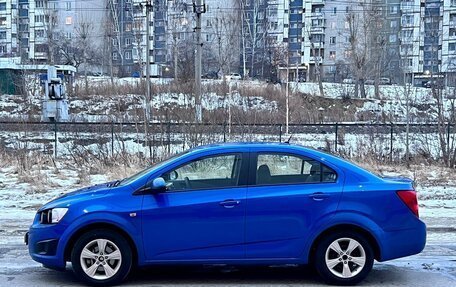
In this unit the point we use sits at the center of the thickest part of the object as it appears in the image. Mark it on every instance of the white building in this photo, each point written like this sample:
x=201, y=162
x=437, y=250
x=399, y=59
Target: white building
x=29, y=28
x=8, y=28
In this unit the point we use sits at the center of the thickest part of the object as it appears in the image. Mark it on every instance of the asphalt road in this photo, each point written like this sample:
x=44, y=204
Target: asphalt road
x=435, y=266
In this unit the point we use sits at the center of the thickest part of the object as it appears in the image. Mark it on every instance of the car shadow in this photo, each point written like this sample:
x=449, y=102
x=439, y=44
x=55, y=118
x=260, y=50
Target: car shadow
x=232, y=276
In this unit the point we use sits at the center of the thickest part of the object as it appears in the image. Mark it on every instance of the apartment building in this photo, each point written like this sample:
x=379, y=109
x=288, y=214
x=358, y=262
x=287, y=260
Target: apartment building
x=428, y=39
x=8, y=28
x=31, y=30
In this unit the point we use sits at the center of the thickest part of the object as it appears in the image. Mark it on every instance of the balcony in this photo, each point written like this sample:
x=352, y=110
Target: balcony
x=40, y=55
x=317, y=44
x=317, y=15
x=407, y=7
x=318, y=2
x=317, y=30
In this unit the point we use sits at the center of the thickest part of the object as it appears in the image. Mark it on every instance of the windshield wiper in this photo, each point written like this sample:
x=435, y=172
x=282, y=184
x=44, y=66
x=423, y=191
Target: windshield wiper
x=115, y=183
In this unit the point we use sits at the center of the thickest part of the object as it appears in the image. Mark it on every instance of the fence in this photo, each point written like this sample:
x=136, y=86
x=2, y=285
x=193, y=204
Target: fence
x=383, y=141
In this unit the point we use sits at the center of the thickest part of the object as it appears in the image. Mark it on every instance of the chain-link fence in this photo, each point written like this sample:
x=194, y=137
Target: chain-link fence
x=380, y=141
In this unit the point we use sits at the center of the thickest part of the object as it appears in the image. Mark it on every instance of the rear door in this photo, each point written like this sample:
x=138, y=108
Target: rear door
x=288, y=195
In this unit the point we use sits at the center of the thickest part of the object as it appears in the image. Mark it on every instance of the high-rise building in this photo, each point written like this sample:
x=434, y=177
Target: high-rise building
x=43, y=31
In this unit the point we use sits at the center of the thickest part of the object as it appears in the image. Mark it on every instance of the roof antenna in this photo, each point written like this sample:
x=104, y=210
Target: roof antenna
x=289, y=139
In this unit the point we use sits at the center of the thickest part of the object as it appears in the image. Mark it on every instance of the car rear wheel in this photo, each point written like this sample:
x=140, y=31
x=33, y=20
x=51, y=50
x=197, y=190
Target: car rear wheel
x=101, y=257
x=344, y=258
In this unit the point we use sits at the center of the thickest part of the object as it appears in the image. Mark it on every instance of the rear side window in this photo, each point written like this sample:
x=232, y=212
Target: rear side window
x=288, y=169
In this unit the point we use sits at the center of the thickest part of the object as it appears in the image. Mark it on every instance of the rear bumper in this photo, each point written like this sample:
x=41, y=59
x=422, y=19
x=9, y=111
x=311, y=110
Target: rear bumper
x=404, y=242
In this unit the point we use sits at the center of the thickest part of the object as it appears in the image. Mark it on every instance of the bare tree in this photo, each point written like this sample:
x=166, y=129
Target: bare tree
x=254, y=31
x=316, y=50
x=225, y=28
x=359, y=37
x=51, y=34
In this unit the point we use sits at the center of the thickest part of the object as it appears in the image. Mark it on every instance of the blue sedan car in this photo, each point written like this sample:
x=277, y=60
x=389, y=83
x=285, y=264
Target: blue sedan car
x=243, y=203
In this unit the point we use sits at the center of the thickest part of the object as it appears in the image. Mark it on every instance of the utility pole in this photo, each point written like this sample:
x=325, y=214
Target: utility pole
x=111, y=60
x=198, y=8
x=287, y=87
x=148, y=97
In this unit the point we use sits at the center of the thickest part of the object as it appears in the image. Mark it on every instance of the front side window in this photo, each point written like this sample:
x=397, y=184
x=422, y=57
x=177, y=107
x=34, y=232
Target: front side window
x=289, y=169
x=206, y=173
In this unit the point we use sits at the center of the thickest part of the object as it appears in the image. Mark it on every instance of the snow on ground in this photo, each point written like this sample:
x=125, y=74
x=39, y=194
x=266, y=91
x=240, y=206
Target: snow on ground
x=391, y=104
x=351, y=143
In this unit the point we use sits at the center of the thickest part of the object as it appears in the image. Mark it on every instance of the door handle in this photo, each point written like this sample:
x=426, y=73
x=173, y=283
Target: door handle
x=319, y=196
x=230, y=203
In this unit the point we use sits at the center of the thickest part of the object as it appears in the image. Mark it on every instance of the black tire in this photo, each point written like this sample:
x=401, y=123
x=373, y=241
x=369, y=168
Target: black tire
x=327, y=275
x=120, y=242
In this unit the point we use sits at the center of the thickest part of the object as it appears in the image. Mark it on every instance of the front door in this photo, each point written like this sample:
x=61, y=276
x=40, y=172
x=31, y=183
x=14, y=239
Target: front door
x=202, y=214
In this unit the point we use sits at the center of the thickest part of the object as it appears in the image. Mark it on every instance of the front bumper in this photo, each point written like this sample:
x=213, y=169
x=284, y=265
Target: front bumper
x=44, y=245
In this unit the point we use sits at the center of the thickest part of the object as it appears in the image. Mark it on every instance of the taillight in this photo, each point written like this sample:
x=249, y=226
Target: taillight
x=409, y=198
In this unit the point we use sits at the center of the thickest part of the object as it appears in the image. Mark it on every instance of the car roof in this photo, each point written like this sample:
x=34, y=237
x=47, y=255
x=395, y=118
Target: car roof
x=260, y=145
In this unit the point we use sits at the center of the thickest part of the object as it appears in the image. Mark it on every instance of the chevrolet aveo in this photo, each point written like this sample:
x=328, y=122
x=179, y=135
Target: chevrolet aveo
x=244, y=203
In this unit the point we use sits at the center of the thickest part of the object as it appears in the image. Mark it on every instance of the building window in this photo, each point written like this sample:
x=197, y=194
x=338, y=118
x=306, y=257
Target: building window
x=69, y=35
x=393, y=24
x=39, y=4
x=128, y=55
x=332, y=55
x=39, y=33
x=3, y=6
x=114, y=56
x=68, y=6
x=2, y=35
x=452, y=19
x=69, y=20
x=407, y=20
x=2, y=21
x=2, y=49
x=452, y=47
x=39, y=18
x=335, y=11
x=127, y=41
x=332, y=40
x=393, y=9
x=392, y=38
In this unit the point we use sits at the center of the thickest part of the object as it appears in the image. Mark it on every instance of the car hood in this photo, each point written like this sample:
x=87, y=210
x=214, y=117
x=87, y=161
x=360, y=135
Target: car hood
x=77, y=195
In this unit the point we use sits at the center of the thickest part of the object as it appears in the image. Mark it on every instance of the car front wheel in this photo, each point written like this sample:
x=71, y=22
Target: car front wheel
x=344, y=258
x=101, y=257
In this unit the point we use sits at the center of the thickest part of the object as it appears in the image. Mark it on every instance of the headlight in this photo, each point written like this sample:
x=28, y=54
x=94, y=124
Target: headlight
x=52, y=215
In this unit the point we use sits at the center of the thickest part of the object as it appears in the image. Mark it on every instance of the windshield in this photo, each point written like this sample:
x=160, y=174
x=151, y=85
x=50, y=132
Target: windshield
x=132, y=178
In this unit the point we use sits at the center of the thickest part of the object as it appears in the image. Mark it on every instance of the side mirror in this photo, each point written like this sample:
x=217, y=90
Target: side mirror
x=158, y=184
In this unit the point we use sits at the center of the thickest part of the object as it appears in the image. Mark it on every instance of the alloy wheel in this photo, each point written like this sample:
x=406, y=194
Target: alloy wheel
x=345, y=257
x=100, y=259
